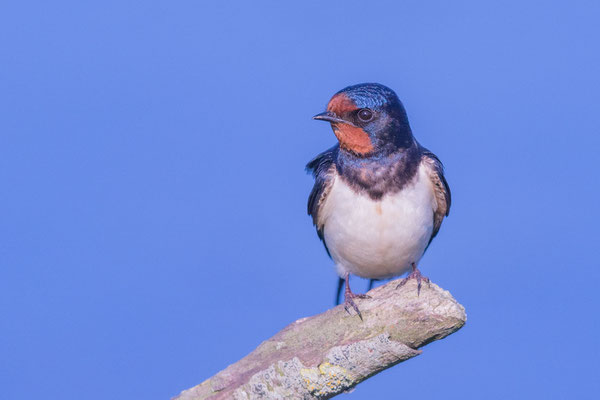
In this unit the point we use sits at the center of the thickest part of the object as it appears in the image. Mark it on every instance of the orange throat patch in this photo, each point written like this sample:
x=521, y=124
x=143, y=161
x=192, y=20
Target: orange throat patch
x=353, y=138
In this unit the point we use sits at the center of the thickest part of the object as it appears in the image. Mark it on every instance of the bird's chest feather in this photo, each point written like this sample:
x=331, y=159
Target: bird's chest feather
x=378, y=238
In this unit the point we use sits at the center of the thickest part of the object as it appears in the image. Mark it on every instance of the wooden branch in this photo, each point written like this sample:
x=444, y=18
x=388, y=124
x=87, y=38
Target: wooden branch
x=321, y=356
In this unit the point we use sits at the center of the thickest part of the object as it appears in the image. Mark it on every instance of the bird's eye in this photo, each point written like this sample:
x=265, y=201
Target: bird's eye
x=365, y=114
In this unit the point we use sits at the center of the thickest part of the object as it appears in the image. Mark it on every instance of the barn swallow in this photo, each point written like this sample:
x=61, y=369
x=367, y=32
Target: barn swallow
x=379, y=196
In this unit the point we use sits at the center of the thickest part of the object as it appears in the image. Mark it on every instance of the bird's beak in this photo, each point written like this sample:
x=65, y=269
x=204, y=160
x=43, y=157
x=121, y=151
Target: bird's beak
x=330, y=117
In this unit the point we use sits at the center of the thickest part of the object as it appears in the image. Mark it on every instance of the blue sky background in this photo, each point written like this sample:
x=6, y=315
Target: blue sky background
x=153, y=224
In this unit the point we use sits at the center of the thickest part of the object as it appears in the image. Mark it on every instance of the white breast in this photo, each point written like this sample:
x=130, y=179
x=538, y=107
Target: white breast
x=378, y=239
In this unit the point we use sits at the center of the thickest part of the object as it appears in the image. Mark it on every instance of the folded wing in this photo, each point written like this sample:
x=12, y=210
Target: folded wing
x=435, y=170
x=322, y=169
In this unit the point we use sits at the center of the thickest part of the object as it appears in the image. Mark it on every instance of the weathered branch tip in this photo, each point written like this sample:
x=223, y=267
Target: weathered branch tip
x=321, y=356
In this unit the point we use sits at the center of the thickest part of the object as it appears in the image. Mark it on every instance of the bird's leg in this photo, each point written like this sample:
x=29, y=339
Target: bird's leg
x=349, y=296
x=415, y=274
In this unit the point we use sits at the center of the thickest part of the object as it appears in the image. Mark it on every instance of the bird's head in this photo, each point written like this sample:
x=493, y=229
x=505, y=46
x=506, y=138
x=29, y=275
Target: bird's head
x=368, y=119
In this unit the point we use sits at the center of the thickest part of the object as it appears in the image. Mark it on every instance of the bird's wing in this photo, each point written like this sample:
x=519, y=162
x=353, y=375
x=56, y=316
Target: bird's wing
x=321, y=168
x=435, y=170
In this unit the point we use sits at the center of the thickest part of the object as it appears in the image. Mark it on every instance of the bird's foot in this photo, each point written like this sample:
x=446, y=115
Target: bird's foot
x=415, y=274
x=349, y=301
x=349, y=297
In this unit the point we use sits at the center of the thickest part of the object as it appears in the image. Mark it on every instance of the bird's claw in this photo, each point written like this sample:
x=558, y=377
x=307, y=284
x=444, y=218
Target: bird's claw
x=415, y=274
x=349, y=297
x=349, y=302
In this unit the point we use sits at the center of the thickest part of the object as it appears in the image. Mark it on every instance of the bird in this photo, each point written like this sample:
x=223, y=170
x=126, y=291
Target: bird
x=379, y=196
